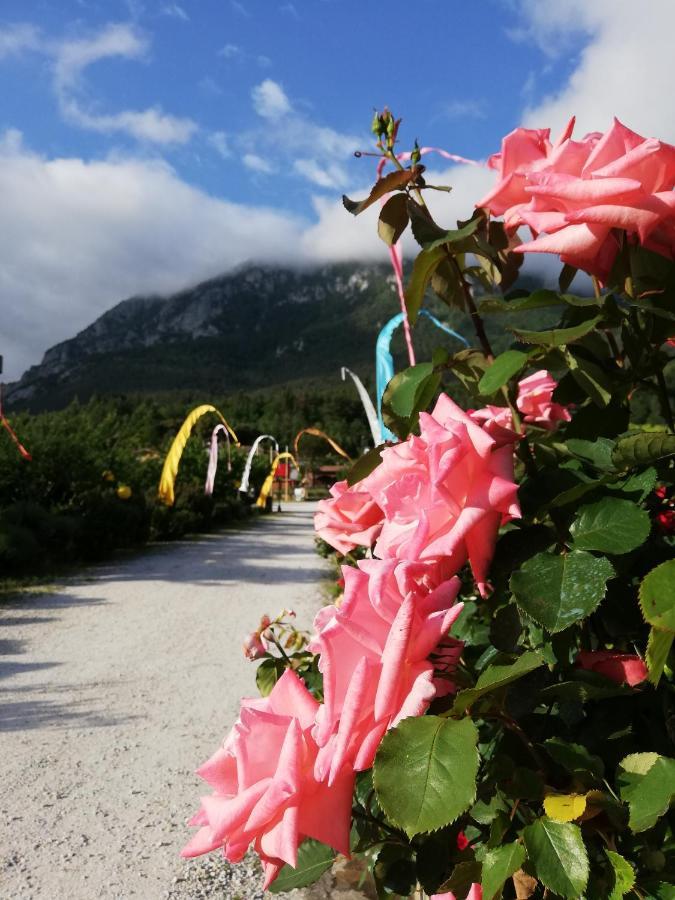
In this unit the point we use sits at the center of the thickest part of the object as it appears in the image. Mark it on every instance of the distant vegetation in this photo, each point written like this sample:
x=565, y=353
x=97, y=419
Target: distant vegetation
x=64, y=507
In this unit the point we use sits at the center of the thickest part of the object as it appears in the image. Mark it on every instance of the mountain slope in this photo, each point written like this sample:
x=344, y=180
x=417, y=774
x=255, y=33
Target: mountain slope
x=252, y=328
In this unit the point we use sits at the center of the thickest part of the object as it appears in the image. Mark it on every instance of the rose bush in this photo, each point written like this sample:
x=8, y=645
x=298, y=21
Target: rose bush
x=488, y=706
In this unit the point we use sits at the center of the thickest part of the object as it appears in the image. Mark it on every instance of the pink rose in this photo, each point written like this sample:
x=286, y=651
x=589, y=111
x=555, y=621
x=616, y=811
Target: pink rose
x=445, y=493
x=623, y=668
x=265, y=792
x=573, y=194
x=476, y=893
x=535, y=401
x=350, y=519
x=374, y=655
x=253, y=646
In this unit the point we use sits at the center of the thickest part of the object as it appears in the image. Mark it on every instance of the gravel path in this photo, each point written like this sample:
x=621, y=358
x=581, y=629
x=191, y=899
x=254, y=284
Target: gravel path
x=114, y=686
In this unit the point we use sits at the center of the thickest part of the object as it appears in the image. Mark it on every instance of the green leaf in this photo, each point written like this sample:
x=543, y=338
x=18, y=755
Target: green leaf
x=557, y=337
x=624, y=876
x=558, y=854
x=495, y=677
x=314, y=858
x=658, y=648
x=365, y=464
x=611, y=525
x=393, y=219
x=657, y=596
x=440, y=761
x=566, y=276
x=430, y=236
x=498, y=865
x=405, y=388
x=423, y=268
x=468, y=366
x=557, y=591
x=647, y=784
x=642, y=449
x=585, y=686
x=642, y=483
x=592, y=380
x=505, y=366
x=447, y=285
x=536, y=300
x=268, y=673
x=463, y=876
x=392, y=182
x=598, y=453
x=574, y=757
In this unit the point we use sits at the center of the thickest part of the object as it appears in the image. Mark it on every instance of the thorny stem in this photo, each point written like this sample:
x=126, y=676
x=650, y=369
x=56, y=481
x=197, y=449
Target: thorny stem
x=618, y=356
x=513, y=726
x=476, y=319
x=378, y=822
x=277, y=644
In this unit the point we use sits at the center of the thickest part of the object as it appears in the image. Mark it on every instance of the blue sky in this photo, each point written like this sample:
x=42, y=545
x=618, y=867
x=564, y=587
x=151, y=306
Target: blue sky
x=201, y=62
x=147, y=144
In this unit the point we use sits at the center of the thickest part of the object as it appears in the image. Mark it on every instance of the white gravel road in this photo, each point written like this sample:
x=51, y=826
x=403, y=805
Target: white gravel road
x=114, y=686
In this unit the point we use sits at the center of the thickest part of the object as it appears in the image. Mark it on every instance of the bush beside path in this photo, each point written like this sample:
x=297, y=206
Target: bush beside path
x=112, y=685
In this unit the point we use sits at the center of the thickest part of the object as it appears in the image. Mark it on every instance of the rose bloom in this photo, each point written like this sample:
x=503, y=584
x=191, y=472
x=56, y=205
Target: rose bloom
x=264, y=790
x=623, y=668
x=573, y=194
x=349, y=519
x=253, y=646
x=476, y=893
x=374, y=655
x=535, y=401
x=445, y=493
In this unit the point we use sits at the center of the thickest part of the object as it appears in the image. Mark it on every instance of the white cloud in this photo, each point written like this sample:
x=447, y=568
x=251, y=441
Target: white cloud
x=151, y=125
x=257, y=163
x=174, y=11
x=462, y=109
x=79, y=236
x=70, y=59
x=218, y=140
x=230, y=51
x=626, y=68
x=235, y=52
x=330, y=176
x=73, y=57
x=82, y=235
x=270, y=100
x=16, y=39
x=312, y=151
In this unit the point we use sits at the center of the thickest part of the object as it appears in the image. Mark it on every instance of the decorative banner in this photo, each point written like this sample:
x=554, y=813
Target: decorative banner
x=266, y=489
x=10, y=431
x=172, y=461
x=322, y=434
x=384, y=361
x=213, y=458
x=243, y=487
x=371, y=413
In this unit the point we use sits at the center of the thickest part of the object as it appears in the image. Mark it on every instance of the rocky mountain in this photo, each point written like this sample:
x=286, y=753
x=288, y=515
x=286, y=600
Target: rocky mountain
x=252, y=328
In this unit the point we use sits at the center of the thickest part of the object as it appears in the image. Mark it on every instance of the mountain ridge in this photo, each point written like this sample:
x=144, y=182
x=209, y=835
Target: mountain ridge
x=256, y=326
